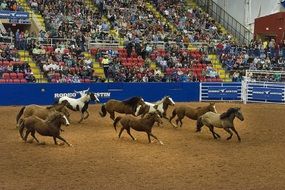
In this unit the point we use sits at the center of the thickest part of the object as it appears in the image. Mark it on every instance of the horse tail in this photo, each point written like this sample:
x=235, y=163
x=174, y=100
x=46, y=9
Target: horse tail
x=103, y=111
x=21, y=128
x=199, y=124
x=116, y=122
x=20, y=114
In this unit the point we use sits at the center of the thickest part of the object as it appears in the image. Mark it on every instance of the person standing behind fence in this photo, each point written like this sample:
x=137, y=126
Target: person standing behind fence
x=105, y=63
x=282, y=48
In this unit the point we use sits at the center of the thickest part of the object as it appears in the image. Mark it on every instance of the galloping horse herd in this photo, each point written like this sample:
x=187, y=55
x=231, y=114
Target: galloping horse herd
x=140, y=116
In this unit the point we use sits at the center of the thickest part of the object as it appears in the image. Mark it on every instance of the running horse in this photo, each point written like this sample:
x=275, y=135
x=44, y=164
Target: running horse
x=143, y=124
x=128, y=106
x=224, y=121
x=160, y=106
x=80, y=104
x=191, y=113
x=51, y=126
x=41, y=111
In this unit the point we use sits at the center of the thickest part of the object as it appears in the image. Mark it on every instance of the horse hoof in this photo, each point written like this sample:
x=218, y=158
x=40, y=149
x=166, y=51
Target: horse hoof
x=70, y=145
x=30, y=141
x=161, y=142
x=135, y=139
x=61, y=144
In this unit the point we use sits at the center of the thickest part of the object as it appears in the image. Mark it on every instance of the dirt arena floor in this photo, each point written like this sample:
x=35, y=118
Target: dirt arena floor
x=187, y=160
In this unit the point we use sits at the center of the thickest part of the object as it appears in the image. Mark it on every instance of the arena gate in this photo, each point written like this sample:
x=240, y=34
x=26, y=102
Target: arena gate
x=264, y=92
x=247, y=91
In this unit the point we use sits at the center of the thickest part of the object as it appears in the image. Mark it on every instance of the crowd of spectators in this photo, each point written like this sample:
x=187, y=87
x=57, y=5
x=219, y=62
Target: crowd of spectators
x=10, y=5
x=61, y=63
x=135, y=22
x=258, y=55
x=194, y=24
x=76, y=21
x=73, y=20
x=11, y=65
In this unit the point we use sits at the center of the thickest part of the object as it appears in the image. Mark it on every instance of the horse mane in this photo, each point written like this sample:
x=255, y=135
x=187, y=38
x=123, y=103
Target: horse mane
x=228, y=113
x=132, y=101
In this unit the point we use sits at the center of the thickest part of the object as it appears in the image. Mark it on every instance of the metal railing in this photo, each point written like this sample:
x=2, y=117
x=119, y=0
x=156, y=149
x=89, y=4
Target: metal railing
x=239, y=31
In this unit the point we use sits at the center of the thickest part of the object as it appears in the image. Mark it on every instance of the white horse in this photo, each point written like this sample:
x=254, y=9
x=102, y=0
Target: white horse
x=160, y=107
x=80, y=104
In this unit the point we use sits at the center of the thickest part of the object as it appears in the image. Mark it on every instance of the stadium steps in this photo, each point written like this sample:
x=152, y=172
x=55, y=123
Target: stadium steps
x=114, y=33
x=191, y=3
x=24, y=56
x=98, y=69
x=218, y=67
x=160, y=17
x=36, y=17
x=153, y=65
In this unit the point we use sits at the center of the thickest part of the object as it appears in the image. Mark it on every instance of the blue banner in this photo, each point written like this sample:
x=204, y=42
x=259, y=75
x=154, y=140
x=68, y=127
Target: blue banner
x=267, y=94
x=224, y=92
x=46, y=93
x=13, y=15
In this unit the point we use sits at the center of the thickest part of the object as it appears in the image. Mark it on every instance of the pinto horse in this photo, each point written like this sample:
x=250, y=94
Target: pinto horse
x=51, y=126
x=191, y=113
x=160, y=106
x=41, y=111
x=80, y=104
x=144, y=124
x=128, y=106
x=224, y=120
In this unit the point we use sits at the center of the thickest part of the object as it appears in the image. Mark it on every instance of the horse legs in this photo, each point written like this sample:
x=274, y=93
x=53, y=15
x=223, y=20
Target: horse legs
x=59, y=137
x=54, y=139
x=112, y=115
x=234, y=130
x=33, y=135
x=179, y=120
x=122, y=129
x=86, y=115
x=129, y=132
x=229, y=131
x=27, y=134
x=215, y=135
x=82, y=117
x=150, y=134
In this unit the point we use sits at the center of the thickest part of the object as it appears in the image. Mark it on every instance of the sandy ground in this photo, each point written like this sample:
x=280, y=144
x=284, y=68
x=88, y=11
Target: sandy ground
x=187, y=160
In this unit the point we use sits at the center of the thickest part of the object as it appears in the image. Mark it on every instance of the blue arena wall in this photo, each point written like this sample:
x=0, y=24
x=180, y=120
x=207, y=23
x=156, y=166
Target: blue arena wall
x=46, y=93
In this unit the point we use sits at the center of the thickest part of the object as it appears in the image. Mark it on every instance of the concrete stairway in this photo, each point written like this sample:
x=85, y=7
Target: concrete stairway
x=98, y=69
x=160, y=17
x=114, y=33
x=218, y=67
x=24, y=56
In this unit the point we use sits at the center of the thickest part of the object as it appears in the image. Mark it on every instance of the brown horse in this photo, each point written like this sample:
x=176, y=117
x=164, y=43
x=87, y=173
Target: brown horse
x=128, y=106
x=51, y=126
x=41, y=111
x=224, y=120
x=144, y=124
x=191, y=113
